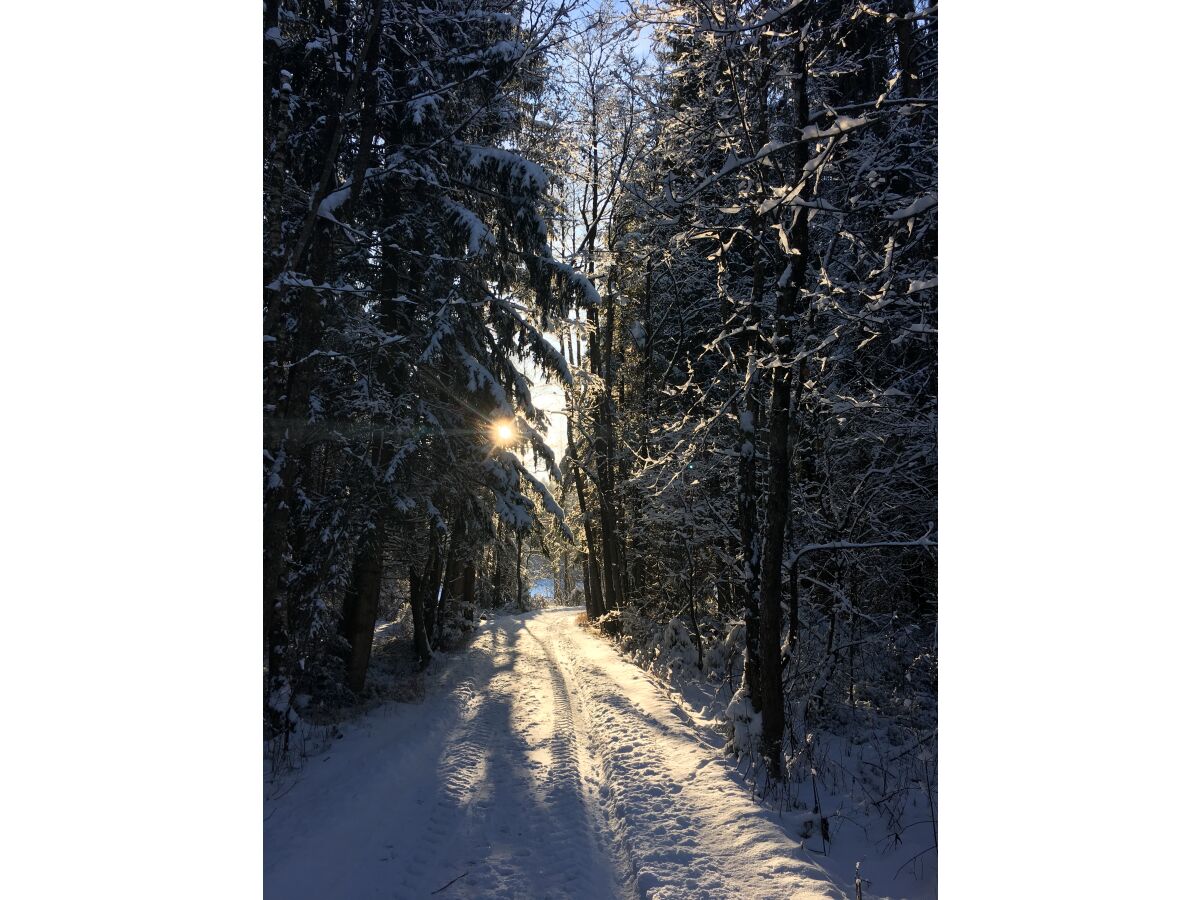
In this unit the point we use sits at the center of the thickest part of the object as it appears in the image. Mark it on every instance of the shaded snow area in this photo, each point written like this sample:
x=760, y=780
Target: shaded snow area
x=540, y=765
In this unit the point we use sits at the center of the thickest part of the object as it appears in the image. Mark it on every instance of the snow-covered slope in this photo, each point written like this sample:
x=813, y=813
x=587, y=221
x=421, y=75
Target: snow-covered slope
x=540, y=765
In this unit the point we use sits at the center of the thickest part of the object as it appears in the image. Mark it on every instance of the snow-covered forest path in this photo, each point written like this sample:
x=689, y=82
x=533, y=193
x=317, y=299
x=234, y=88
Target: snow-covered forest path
x=541, y=765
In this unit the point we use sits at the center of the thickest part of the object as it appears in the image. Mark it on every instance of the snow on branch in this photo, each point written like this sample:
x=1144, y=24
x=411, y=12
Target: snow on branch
x=573, y=277
x=480, y=378
x=841, y=125
x=918, y=206
x=530, y=174
x=499, y=52
x=548, y=501
x=512, y=506
x=768, y=19
x=458, y=16
x=332, y=201
x=478, y=234
x=540, y=449
x=544, y=351
x=443, y=330
x=851, y=545
x=520, y=385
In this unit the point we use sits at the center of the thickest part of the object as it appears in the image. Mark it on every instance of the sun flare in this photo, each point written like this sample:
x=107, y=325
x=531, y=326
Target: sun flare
x=504, y=433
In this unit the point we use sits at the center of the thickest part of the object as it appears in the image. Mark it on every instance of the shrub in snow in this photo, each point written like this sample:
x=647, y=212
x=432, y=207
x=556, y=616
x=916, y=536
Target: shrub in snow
x=676, y=652
x=611, y=624
x=743, y=726
x=323, y=676
x=459, y=622
x=280, y=699
x=723, y=657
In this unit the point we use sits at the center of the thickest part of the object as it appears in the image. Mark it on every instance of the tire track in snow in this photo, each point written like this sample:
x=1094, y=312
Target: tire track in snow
x=510, y=817
x=576, y=826
x=541, y=765
x=688, y=828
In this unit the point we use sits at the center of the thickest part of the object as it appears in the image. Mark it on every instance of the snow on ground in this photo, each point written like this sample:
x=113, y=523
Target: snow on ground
x=541, y=765
x=890, y=868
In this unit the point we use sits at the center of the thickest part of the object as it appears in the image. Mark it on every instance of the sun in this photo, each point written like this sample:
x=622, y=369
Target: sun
x=504, y=433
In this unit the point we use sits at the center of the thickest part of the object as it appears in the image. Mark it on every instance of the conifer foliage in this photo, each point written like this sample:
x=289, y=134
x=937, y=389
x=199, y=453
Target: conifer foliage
x=406, y=269
x=723, y=249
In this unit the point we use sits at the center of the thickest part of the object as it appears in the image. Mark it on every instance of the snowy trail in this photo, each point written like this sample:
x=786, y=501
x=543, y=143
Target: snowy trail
x=542, y=765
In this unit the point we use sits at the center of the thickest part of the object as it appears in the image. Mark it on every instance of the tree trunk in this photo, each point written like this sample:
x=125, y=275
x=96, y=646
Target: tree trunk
x=362, y=607
x=520, y=593
x=497, y=571
x=416, y=597
x=613, y=582
x=422, y=587
x=907, y=47
x=749, y=411
x=588, y=603
x=779, y=440
x=467, y=595
x=747, y=498
x=594, y=578
x=793, y=608
x=285, y=431
x=608, y=541
x=591, y=577
x=691, y=595
x=452, y=580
